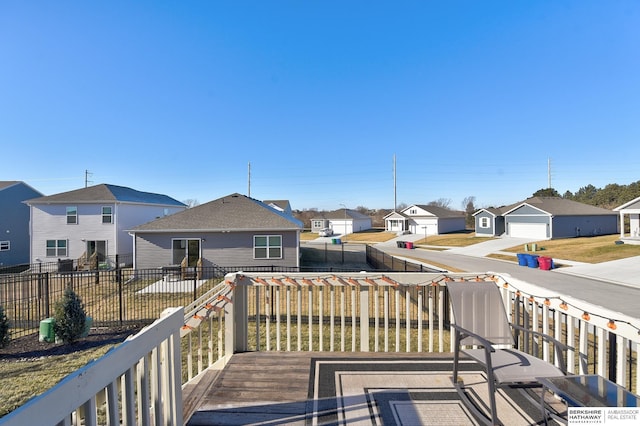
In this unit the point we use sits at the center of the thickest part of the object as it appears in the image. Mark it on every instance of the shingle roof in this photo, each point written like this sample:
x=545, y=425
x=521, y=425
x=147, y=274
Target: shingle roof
x=341, y=213
x=563, y=207
x=440, y=211
x=7, y=183
x=107, y=193
x=235, y=212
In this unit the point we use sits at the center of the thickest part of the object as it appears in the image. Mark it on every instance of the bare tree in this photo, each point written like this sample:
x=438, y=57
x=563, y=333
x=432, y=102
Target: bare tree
x=441, y=202
x=191, y=202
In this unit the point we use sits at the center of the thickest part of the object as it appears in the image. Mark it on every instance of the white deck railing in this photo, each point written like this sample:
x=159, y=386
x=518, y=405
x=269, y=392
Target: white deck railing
x=357, y=312
x=137, y=383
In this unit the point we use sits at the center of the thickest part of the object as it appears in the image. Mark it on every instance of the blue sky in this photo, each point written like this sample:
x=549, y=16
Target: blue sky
x=472, y=97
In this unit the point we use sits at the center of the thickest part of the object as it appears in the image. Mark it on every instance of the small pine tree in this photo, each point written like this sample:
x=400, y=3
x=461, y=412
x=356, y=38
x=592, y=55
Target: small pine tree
x=69, y=316
x=5, y=334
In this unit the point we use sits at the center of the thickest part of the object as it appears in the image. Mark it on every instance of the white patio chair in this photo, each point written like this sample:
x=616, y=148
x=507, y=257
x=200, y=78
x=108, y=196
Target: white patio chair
x=483, y=333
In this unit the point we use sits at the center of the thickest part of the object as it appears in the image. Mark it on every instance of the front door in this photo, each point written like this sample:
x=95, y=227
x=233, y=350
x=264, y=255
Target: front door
x=97, y=248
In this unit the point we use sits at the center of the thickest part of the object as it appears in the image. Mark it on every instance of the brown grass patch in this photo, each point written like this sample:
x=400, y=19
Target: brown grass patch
x=584, y=249
x=455, y=239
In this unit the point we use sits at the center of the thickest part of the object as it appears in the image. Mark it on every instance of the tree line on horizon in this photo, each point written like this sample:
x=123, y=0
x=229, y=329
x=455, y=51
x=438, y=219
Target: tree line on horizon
x=609, y=197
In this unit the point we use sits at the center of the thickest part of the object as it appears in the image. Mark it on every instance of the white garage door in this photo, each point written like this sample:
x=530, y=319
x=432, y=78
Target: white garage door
x=528, y=230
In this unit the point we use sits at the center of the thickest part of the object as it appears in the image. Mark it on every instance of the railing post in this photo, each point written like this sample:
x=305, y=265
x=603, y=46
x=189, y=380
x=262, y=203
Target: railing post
x=236, y=322
x=364, y=318
x=613, y=357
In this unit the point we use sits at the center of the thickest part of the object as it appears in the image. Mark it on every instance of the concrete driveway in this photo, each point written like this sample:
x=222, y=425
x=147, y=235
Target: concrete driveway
x=490, y=246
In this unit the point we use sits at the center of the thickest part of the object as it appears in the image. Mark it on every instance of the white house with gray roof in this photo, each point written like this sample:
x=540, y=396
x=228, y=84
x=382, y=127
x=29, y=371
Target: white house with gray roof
x=630, y=209
x=342, y=221
x=232, y=231
x=544, y=218
x=90, y=224
x=425, y=219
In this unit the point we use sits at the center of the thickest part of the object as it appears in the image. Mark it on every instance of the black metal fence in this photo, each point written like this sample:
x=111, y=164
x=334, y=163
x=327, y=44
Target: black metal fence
x=119, y=295
x=380, y=260
x=69, y=265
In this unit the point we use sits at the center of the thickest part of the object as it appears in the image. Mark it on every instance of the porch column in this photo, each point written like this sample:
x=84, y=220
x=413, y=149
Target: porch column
x=621, y=224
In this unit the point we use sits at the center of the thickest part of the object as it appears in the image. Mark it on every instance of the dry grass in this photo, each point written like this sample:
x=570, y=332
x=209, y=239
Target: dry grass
x=456, y=239
x=370, y=236
x=308, y=236
x=21, y=380
x=584, y=249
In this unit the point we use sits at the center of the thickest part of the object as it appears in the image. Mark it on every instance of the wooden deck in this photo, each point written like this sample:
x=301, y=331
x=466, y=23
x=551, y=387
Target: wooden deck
x=278, y=388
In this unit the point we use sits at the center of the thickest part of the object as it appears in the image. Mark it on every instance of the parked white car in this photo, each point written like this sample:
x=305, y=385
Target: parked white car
x=325, y=232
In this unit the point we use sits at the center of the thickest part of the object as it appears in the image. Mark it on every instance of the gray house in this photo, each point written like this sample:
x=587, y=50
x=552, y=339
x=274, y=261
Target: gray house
x=490, y=221
x=544, y=218
x=90, y=225
x=342, y=221
x=14, y=222
x=232, y=231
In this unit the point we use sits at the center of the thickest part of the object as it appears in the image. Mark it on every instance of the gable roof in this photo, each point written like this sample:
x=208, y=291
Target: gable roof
x=397, y=215
x=437, y=211
x=635, y=203
x=234, y=212
x=557, y=206
x=106, y=193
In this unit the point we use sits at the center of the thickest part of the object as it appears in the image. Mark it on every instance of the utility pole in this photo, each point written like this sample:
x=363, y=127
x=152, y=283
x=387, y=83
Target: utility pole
x=549, y=172
x=249, y=180
x=395, y=191
x=87, y=173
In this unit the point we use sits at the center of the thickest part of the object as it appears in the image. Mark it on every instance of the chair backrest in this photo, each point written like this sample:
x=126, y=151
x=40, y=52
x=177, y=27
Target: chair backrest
x=478, y=307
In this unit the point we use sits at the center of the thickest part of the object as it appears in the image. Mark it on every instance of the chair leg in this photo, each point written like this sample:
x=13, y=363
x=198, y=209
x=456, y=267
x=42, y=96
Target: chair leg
x=456, y=356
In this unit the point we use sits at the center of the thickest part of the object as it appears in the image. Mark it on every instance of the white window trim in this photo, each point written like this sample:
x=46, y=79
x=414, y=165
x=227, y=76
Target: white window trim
x=5, y=245
x=74, y=216
x=57, y=249
x=267, y=247
x=485, y=222
x=109, y=215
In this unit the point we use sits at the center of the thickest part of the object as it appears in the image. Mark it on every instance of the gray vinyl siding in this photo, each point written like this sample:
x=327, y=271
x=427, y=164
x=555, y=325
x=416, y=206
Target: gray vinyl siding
x=14, y=223
x=499, y=225
x=314, y=228
x=584, y=226
x=489, y=231
x=153, y=250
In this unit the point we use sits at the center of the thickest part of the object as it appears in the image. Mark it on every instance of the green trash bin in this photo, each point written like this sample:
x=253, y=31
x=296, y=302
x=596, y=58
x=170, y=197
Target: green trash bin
x=46, y=330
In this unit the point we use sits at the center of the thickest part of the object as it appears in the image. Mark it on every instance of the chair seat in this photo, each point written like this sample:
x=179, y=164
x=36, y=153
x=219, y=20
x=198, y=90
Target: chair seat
x=513, y=366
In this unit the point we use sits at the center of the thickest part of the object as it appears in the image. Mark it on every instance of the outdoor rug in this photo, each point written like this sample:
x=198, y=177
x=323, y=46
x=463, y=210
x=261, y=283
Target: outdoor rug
x=404, y=392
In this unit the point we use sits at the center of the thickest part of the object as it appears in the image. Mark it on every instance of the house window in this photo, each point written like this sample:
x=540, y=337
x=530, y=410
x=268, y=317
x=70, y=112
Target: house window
x=267, y=247
x=57, y=248
x=72, y=215
x=107, y=215
x=413, y=211
x=484, y=222
x=185, y=249
x=317, y=224
x=5, y=245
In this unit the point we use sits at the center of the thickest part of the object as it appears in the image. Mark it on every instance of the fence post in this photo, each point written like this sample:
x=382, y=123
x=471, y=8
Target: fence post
x=118, y=270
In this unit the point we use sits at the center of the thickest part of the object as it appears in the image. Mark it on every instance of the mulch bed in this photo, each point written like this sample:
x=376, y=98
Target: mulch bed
x=29, y=347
